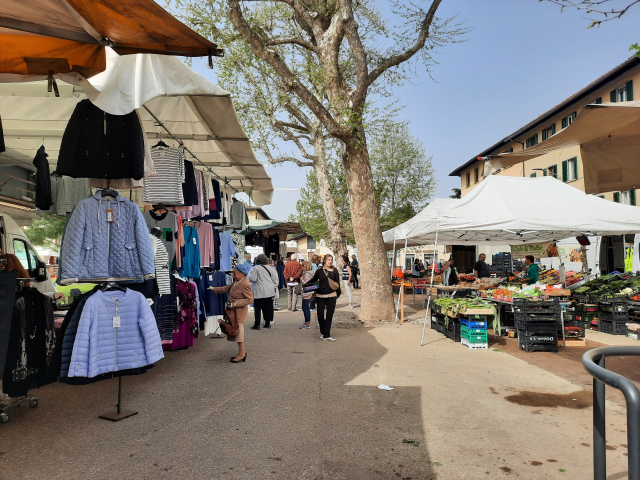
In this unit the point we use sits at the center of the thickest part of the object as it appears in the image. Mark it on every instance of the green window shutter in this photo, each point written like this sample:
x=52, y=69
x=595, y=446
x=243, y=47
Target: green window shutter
x=616, y=197
x=613, y=97
x=573, y=116
x=598, y=100
x=544, y=172
x=554, y=169
x=533, y=174
x=564, y=171
x=564, y=123
x=630, y=91
x=544, y=134
x=553, y=129
x=527, y=143
x=575, y=166
x=535, y=139
x=632, y=196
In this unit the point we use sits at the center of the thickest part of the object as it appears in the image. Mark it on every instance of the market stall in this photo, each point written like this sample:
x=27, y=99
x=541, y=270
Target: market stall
x=511, y=211
x=150, y=271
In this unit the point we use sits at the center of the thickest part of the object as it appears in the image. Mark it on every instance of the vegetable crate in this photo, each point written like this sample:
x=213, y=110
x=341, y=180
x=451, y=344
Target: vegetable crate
x=613, y=303
x=613, y=328
x=613, y=317
x=466, y=331
x=537, y=347
x=574, y=329
x=585, y=312
x=536, y=338
x=474, y=346
x=537, y=322
x=633, y=334
x=542, y=307
x=454, y=335
x=469, y=323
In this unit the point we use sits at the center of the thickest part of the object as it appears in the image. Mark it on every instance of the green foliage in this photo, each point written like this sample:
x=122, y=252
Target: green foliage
x=310, y=213
x=457, y=193
x=44, y=231
x=635, y=48
x=403, y=175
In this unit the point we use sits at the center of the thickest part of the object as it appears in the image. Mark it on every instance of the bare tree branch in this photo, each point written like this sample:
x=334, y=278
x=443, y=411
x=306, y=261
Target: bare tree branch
x=390, y=62
x=293, y=41
x=593, y=7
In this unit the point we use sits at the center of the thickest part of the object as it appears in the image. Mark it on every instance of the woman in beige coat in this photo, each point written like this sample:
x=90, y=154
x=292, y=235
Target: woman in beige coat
x=240, y=296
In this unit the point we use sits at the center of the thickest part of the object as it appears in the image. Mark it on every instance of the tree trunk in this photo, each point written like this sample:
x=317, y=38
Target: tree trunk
x=328, y=201
x=377, y=296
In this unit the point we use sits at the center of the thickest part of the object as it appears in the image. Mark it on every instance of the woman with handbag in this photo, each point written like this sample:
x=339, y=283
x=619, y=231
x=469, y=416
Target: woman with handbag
x=326, y=295
x=265, y=281
x=240, y=296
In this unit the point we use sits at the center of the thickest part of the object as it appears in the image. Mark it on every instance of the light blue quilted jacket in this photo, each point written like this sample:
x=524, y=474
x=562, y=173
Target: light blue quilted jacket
x=101, y=348
x=94, y=249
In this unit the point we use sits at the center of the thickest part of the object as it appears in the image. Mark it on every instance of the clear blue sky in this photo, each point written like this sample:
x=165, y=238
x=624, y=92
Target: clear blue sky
x=522, y=58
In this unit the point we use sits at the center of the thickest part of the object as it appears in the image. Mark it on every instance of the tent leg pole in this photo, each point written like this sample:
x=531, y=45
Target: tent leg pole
x=393, y=259
x=401, y=280
x=426, y=314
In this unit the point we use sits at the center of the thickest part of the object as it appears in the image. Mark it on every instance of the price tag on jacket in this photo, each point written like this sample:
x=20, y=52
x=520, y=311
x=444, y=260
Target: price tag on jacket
x=116, y=321
x=194, y=241
x=109, y=215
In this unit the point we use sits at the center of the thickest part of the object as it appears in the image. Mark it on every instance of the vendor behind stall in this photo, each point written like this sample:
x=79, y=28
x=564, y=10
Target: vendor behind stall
x=481, y=269
x=533, y=271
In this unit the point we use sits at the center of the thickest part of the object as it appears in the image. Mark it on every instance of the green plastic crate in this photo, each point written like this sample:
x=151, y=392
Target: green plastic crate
x=477, y=338
x=472, y=331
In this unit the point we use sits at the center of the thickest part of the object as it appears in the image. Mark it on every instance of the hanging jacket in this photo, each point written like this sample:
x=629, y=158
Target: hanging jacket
x=97, y=144
x=97, y=250
x=101, y=348
x=43, y=180
x=191, y=260
x=628, y=259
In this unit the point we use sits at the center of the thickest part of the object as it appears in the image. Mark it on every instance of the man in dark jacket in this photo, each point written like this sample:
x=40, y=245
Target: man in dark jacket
x=355, y=271
x=292, y=274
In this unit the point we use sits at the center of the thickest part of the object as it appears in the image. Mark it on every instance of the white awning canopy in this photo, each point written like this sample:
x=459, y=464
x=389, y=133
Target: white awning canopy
x=608, y=135
x=514, y=210
x=196, y=111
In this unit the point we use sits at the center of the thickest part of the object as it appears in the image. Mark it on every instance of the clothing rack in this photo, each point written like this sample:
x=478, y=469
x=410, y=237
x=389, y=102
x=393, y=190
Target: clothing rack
x=226, y=182
x=33, y=401
x=119, y=414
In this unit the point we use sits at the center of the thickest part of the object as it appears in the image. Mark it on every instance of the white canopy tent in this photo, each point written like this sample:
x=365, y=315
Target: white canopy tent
x=609, y=138
x=169, y=95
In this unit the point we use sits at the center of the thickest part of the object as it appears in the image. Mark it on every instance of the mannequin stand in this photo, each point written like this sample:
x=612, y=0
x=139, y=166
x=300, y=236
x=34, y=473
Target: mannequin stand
x=119, y=414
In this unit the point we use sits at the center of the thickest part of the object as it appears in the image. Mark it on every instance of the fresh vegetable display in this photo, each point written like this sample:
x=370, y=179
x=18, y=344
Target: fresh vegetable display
x=454, y=306
x=618, y=284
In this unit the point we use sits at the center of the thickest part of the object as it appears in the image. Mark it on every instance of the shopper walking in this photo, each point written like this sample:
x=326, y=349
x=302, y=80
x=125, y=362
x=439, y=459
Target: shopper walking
x=240, y=295
x=355, y=271
x=327, y=294
x=347, y=278
x=292, y=274
x=306, y=300
x=315, y=264
x=276, y=294
x=264, y=281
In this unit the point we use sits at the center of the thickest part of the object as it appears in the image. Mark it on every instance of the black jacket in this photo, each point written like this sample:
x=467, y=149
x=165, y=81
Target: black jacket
x=43, y=180
x=324, y=288
x=96, y=144
x=2, y=148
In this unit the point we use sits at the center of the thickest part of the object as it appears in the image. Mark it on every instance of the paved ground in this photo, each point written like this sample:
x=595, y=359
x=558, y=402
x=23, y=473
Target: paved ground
x=307, y=409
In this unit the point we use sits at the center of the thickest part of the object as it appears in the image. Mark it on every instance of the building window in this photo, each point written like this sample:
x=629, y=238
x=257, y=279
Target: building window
x=598, y=101
x=570, y=170
x=623, y=93
x=533, y=174
x=531, y=141
x=551, y=171
x=601, y=196
x=475, y=175
x=468, y=178
x=566, y=121
x=628, y=197
x=547, y=132
x=508, y=150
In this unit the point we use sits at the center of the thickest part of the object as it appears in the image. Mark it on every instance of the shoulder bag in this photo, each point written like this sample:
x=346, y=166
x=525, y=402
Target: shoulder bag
x=229, y=324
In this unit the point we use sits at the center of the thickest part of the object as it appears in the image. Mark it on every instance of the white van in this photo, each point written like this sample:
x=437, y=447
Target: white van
x=13, y=240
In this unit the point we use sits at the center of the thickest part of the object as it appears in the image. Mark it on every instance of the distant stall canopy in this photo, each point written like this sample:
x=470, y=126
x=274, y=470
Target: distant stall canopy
x=175, y=103
x=608, y=135
x=271, y=227
x=39, y=37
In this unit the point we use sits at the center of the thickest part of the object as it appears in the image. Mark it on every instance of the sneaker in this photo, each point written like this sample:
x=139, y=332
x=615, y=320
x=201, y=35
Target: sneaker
x=313, y=310
x=255, y=327
x=266, y=326
x=251, y=309
x=349, y=306
x=305, y=325
x=321, y=337
x=330, y=339
x=273, y=322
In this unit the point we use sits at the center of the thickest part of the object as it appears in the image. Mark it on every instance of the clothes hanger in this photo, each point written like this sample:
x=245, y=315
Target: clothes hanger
x=108, y=191
x=112, y=286
x=158, y=207
x=160, y=144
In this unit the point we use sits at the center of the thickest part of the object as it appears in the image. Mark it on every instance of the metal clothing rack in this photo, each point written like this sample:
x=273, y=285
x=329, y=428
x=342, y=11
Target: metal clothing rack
x=33, y=401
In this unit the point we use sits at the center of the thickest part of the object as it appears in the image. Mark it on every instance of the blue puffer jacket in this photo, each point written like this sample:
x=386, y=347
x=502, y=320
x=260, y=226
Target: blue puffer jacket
x=94, y=249
x=101, y=348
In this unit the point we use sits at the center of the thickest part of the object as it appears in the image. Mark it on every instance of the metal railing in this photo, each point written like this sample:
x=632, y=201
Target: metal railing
x=594, y=363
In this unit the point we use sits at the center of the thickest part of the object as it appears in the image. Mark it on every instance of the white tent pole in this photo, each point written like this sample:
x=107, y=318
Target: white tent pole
x=393, y=258
x=404, y=259
x=426, y=314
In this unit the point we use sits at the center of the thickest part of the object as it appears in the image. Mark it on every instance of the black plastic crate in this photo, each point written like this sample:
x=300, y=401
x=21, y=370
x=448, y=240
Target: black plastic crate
x=613, y=328
x=612, y=303
x=454, y=324
x=454, y=335
x=538, y=338
x=508, y=319
x=574, y=329
x=537, y=347
x=585, y=311
x=613, y=317
x=540, y=307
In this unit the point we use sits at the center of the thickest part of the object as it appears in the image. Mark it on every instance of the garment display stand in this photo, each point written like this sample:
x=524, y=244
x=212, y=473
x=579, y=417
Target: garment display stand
x=119, y=414
x=33, y=401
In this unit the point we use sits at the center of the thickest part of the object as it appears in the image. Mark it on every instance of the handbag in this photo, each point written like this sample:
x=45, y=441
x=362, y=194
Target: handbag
x=229, y=323
x=335, y=286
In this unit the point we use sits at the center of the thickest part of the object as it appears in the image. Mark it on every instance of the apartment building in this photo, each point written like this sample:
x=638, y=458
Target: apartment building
x=564, y=164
